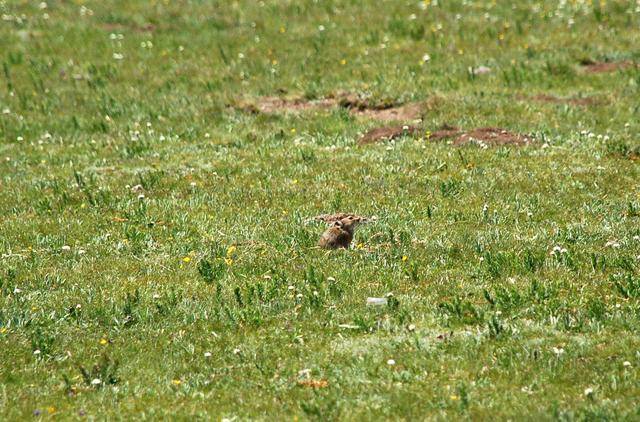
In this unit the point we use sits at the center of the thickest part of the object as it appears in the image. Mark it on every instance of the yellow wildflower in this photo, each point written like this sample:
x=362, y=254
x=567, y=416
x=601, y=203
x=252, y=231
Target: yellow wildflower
x=186, y=259
x=176, y=382
x=103, y=341
x=404, y=258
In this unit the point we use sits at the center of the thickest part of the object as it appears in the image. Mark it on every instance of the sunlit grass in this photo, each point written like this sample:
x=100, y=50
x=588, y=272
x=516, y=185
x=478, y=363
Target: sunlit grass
x=156, y=257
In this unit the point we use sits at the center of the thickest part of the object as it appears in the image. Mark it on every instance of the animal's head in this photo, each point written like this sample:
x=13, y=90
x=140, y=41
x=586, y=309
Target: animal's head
x=350, y=222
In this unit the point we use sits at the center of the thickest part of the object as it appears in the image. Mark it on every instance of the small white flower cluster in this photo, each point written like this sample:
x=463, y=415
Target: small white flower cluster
x=18, y=19
x=590, y=135
x=558, y=250
x=612, y=244
x=85, y=11
x=44, y=138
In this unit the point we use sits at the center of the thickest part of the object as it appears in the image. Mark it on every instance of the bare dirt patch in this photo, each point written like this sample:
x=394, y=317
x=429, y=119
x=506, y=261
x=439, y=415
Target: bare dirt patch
x=485, y=136
x=380, y=110
x=273, y=105
x=412, y=111
x=551, y=99
x=592, y=66
x=356, y=104
x=445, y=132
x=386, y=133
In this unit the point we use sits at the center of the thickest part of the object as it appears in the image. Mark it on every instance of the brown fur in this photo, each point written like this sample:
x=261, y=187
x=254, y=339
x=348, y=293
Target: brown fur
x=340, y=234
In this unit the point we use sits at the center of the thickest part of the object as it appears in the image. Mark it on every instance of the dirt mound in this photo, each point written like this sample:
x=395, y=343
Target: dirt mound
x=445, y=132
x=485, y=136
x=592, y=66
x=359, y=102
x=412, y=111
x=356, y=104
x=386, y=133
x=380, y=110
x=491, y=136
x=272, y=105
x=546, y=98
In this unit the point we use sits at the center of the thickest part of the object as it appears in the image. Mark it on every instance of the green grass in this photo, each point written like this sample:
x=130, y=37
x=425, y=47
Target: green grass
x=515, y=271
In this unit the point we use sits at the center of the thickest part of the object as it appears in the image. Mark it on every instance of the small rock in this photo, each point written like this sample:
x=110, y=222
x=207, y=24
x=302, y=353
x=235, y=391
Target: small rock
x=481, y=70
x=376, y=301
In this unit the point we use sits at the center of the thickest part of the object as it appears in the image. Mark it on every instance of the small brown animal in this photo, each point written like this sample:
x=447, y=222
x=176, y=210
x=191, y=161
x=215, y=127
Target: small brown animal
x=340, y=234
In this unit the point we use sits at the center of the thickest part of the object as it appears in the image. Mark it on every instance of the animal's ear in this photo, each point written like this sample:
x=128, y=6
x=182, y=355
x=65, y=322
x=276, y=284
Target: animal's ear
x=337, y=224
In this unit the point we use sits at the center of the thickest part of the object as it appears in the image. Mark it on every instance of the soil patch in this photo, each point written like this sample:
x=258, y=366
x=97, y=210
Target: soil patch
x=412, y=111
x=552, y=99
x=381, y=110
x=386, y=133
x=485, y=136
x=592, y=66
x=358, y=102
x=357, y=106
x=491, y=136
x=445, y=132
x=271, y=105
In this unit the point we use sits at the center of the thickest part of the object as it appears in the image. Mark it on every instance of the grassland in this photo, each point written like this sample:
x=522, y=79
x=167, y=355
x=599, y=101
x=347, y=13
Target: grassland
x=156, y=261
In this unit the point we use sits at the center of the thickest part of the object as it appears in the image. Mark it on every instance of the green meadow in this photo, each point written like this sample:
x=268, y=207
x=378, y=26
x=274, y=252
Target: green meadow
x=158, y=256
